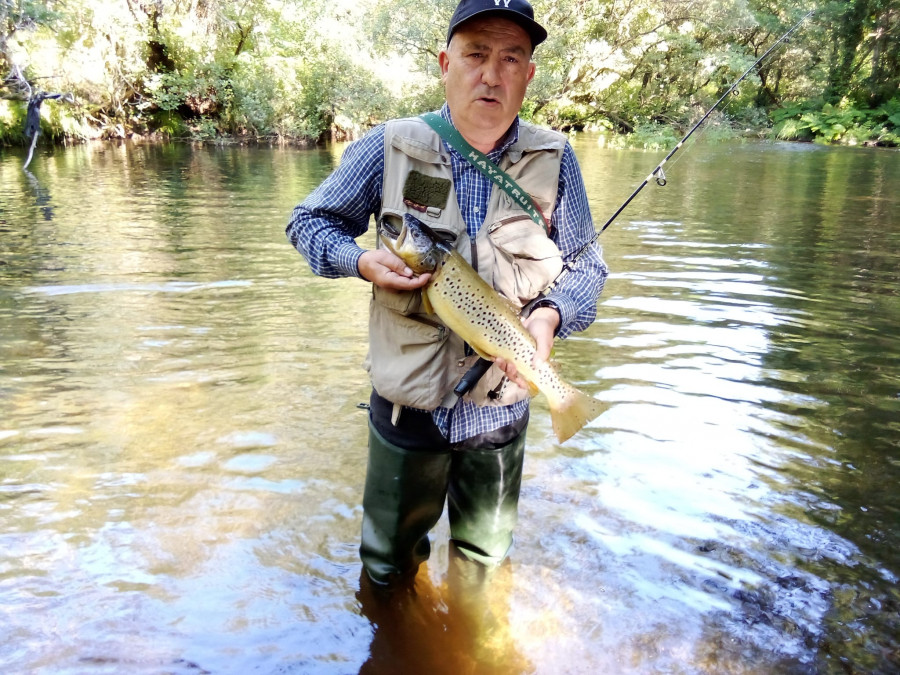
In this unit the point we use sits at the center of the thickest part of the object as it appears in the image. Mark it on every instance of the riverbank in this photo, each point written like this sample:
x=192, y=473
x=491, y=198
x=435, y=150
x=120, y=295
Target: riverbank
x=63, y=124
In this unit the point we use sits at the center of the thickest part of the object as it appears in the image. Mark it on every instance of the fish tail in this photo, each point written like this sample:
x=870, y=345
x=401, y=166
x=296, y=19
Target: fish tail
x=572, y=412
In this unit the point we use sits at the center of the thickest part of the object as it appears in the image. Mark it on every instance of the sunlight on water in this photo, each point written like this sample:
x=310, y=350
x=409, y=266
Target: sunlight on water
x=182, y=452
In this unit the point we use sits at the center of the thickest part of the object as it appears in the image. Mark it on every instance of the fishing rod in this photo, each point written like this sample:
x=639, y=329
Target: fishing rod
x=658, y=172
x=471, y=377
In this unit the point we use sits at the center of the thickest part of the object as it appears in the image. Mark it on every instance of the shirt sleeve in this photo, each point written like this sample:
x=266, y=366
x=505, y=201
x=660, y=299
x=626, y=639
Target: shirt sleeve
x=324, y=227
x=578, y=290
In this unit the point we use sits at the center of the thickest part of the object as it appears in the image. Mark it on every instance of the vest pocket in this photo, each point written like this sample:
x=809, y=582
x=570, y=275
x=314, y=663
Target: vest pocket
x=402, y=302
x=419, y=150
x=523, y=261
x=410, y=357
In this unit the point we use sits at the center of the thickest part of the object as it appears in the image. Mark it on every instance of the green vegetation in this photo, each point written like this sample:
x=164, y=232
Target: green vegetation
x=842, y=123
x=309, y=70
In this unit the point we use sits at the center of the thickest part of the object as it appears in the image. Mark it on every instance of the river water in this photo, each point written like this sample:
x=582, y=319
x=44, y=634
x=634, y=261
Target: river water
x=182, y=453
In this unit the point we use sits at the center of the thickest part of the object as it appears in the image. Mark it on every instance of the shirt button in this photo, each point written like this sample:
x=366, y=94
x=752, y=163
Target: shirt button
x=460, y=363
x=477, y=210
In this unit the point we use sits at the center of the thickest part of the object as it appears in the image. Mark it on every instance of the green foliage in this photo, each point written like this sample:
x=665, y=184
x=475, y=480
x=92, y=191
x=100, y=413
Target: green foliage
x=202, y=91
x=169, y=124
x=416, y=28
x=12, y=122
x=864, y=60
x=844, y=123
x=254, y=89
x=419, y=98
x=338, y=98
x=652, y=136
x=17, y=15
x=58, y=121
x=311, y=69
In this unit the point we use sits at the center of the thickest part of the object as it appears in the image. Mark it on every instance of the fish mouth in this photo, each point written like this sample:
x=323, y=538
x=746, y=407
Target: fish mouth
x=393, y=233
x=392, y=226
x=411, y=240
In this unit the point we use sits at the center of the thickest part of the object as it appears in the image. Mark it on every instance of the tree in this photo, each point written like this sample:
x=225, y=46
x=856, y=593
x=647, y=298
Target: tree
x=863, y=66
x=320, y=69
x=15, y=17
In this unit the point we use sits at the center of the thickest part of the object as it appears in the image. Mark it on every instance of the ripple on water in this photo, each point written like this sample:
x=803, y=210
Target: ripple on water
x=184, y=461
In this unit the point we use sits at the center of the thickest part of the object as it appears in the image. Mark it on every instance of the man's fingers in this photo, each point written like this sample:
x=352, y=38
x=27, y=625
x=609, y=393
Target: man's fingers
x=406, y=283
x=385, y=269
x=509, y=369
x=542, y=324
x=375, y=265
x=395, y=264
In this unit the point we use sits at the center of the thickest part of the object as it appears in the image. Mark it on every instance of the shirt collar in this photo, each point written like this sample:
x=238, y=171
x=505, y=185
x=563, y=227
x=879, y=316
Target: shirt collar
x=512, y=134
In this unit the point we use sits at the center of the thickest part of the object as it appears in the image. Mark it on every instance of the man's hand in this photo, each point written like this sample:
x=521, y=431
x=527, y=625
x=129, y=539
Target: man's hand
x=542, y=324
x=384, y=269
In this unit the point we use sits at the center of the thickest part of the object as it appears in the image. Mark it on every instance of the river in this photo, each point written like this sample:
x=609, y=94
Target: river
x=182, y=450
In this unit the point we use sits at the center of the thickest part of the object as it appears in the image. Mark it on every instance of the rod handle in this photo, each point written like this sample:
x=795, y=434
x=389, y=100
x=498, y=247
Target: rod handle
x=470, y=379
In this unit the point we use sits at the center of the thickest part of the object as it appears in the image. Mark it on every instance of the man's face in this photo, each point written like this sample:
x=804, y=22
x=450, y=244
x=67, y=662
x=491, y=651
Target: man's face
x=486, y=69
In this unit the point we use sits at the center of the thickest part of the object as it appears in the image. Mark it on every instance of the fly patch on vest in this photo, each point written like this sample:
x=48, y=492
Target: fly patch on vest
x=426, y=194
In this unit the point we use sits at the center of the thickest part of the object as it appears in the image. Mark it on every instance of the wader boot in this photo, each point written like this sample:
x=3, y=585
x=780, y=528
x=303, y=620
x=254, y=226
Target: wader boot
x=483, y=500
x=403, y=500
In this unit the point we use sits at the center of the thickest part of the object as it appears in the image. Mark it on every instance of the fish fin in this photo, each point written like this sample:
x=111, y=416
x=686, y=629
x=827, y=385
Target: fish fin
x=426, y=304
x=574, y=411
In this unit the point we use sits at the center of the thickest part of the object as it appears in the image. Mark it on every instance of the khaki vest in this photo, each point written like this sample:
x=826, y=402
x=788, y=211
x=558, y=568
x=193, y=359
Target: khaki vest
x=414, y=359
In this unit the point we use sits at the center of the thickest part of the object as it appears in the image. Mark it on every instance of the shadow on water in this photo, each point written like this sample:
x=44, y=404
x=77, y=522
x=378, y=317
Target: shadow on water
x=182, y=455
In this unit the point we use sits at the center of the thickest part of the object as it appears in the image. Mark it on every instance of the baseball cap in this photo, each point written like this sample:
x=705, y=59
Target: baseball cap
x=514, y=10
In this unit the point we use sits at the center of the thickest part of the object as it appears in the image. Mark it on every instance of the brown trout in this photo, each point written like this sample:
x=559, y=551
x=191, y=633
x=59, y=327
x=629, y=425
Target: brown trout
x=482, y=317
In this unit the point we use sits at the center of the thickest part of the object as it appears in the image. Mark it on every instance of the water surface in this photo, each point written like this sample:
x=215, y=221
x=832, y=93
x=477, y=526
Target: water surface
x=182, y=452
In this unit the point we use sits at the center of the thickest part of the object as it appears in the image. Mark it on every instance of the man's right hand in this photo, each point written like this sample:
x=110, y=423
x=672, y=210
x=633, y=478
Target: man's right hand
x=384, y=269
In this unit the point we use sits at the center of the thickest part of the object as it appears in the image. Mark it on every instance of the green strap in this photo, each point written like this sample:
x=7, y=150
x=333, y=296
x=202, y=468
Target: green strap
x=478, y=159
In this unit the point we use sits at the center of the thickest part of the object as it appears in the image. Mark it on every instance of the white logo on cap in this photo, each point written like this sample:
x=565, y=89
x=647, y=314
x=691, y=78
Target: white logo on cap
x=505, y=3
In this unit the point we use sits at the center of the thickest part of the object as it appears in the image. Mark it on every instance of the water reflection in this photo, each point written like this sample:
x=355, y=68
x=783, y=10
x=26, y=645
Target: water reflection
x=41, y=195
x=461, y=627
x=182, y=456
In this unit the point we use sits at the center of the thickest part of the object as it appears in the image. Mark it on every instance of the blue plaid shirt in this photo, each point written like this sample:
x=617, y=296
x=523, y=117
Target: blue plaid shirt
x=325, y=226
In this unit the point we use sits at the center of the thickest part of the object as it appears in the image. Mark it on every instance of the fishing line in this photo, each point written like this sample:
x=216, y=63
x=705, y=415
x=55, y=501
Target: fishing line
x=658, y=174
x=696, y=138
x=698, y=135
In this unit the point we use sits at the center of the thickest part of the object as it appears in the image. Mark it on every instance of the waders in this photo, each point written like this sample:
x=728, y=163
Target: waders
x=404, y=498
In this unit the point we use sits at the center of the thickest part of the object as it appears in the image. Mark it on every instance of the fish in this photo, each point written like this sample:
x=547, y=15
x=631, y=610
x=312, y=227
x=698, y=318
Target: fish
x=482, y=317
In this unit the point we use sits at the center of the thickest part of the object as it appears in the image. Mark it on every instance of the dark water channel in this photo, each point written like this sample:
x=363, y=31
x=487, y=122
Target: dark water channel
x=182, y=456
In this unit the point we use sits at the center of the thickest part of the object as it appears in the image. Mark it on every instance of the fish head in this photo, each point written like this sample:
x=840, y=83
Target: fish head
x=414, y=242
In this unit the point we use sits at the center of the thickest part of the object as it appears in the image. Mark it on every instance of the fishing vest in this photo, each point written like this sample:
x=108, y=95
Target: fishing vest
x=414, y=360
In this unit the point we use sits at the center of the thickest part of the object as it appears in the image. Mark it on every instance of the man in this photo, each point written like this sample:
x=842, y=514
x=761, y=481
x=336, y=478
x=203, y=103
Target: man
x=426, y=445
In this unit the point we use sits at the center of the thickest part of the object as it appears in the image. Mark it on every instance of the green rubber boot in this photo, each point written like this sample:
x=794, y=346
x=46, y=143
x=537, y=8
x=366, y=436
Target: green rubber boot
x=403, y=500
x=483, y=500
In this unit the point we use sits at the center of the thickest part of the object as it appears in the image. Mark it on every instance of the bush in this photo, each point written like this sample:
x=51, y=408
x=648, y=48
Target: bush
x=652, y=136
x=12, y=122
x=844, y=123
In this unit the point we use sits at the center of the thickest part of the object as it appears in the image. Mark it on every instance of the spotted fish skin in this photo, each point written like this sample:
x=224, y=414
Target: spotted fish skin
x=476, y=312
